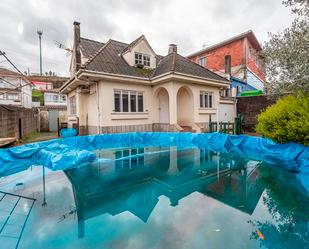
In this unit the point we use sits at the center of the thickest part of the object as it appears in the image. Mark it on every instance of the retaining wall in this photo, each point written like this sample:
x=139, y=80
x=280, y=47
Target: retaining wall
x=17, y=121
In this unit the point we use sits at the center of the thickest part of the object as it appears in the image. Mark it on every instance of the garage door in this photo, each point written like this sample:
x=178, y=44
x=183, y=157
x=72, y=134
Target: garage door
x=227, y=113
x=53, y=120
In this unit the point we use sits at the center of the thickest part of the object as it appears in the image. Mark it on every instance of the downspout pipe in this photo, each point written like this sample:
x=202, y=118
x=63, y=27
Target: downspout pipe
x=98, y=107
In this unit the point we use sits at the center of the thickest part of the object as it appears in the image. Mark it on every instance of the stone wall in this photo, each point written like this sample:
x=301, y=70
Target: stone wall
x=250, y=108
x=84, y=130
x=11, y=117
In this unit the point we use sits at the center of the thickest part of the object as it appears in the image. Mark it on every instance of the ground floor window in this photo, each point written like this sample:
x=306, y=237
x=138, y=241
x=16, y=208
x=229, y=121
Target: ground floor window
x=12, y=96
x=206, y=99
x=72, y=102
x=128, y=101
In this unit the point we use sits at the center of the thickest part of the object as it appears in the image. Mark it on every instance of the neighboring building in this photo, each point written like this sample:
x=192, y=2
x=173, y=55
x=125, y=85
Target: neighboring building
x=14, y=89
x=239, y=57
x=54, y=107
x=119, y=87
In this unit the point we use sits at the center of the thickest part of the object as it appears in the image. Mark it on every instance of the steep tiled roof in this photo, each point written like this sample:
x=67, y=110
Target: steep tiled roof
x=89, y=47
x=177, y=63
x=108, y=59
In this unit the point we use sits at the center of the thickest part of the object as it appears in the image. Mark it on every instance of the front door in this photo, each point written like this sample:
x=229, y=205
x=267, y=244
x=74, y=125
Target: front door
x=163, y=107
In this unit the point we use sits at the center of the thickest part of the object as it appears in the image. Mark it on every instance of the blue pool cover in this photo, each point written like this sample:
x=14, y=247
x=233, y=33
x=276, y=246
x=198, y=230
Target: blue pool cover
x=79, y=150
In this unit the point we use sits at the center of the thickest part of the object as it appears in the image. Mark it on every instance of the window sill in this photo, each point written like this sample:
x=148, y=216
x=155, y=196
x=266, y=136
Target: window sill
x=207, y=110
x=129, y=115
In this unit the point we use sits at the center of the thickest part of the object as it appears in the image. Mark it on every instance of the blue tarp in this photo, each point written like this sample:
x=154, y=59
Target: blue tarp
x=79, y=150
x=68, y=132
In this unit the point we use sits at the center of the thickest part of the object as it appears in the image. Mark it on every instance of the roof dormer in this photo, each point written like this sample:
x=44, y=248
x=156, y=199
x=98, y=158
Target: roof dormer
x=140, y=54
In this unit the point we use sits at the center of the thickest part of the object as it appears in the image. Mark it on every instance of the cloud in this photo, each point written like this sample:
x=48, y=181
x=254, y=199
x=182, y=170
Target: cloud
x=190, y=24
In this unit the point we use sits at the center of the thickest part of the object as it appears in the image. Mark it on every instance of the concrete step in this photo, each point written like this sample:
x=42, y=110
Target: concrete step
x=187, y=129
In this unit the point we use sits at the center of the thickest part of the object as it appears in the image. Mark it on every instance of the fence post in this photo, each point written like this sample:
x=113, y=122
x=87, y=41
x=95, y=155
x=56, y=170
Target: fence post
x=238, y=128
x=209, y=125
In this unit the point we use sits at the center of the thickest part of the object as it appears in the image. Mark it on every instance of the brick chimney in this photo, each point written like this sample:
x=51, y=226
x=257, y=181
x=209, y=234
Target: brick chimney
x=172, y=48
x=76, y=47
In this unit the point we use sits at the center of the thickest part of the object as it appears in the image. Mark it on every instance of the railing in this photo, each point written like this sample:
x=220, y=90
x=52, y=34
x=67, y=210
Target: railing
x=226, y=127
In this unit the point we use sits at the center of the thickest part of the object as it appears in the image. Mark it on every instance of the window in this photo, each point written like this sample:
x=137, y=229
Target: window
x=73, y=105
x=128, y=101
x=202, y=61
x=142, y=59
x=12, y=96
x=125, y=101
x=239, y=89
x=206, y=99
x=117, y=96
x=55, y=98
x=140, y=102
x=227, y=64
x=1, y=95
x=133, y=101
x=251, y=53
x=63, y=98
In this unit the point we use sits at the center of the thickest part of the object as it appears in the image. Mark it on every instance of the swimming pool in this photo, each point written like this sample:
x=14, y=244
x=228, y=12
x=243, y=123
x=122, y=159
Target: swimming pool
x=162, y=191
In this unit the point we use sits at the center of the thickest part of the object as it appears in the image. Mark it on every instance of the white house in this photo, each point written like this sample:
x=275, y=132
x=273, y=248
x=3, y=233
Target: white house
x=120, y=87
x=15, y=89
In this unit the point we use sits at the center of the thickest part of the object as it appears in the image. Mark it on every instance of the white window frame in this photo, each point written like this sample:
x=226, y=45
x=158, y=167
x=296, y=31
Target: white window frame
x=130, y=93
x=142, y=59
x=12, y=96
x=73, y=111
x=206, y=105
x=202, y=61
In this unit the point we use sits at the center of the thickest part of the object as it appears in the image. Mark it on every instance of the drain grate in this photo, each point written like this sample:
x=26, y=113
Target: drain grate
x=14, y=213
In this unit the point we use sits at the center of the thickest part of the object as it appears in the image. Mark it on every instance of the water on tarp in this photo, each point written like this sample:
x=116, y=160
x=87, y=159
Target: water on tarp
x=156, y=197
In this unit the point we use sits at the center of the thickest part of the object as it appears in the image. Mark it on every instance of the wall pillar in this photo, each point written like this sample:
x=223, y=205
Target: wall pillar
x=172, y=103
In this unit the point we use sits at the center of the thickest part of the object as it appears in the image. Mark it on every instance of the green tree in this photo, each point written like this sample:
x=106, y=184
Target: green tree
x=286, y=53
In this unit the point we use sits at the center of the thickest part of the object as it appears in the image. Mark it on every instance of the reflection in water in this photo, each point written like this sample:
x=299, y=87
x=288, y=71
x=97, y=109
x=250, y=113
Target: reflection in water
x=288, y=205
x=134, y=179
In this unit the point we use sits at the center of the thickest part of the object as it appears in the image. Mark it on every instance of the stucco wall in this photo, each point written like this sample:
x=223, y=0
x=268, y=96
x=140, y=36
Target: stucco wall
x=197, y=114
x=183, y=106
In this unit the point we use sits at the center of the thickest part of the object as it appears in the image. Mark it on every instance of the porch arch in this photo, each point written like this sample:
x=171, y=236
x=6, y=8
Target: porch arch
x=185, y=106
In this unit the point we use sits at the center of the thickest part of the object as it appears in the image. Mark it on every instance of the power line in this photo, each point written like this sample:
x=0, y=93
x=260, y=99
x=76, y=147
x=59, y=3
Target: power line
x=12, y=90
x=22, y=75
x=4, y=55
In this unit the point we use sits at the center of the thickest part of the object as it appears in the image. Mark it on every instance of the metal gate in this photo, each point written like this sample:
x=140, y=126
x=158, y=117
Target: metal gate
x=53, y=120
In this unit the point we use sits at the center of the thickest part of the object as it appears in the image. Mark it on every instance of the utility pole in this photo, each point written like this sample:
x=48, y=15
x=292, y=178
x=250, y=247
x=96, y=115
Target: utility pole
x=40, y=32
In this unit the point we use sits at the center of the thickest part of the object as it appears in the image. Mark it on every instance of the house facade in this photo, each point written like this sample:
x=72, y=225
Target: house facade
x=239, y=58
x=14, y=89
x=120, y=87
x=51, y=104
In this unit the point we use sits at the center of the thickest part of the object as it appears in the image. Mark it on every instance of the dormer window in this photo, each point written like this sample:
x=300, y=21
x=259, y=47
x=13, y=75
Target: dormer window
x=142, y=59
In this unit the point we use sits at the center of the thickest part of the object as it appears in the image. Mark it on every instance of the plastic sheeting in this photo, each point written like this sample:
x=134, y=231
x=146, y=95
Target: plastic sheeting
x=75, y=151
x=68, y=132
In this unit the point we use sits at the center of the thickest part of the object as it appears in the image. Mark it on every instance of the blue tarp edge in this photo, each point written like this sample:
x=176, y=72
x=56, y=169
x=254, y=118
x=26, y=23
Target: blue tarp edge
x=78, y=150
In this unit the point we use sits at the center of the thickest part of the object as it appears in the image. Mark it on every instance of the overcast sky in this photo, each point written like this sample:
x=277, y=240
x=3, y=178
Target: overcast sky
x=189, y=24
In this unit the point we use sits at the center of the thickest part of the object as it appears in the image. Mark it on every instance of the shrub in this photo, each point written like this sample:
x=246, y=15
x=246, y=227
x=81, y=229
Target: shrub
x=287, y=120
